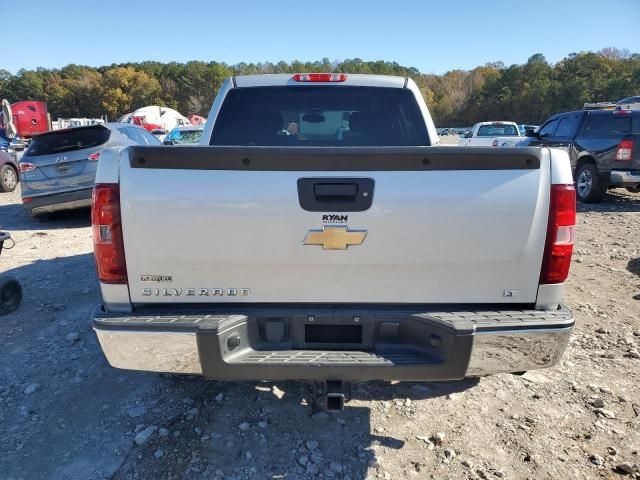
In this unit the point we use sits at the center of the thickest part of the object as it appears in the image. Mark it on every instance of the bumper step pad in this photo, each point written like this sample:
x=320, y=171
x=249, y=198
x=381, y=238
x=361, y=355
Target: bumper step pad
x=354, y=358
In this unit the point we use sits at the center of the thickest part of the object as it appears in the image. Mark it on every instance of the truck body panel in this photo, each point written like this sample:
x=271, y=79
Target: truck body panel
x=433, y=236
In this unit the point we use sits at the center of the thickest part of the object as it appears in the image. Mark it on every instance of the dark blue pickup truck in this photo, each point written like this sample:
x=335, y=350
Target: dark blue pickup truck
x=604, y=147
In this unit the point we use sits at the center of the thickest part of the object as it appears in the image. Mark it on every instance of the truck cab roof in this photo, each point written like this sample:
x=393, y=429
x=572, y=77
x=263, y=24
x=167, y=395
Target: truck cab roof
x=496, y=122
x=282, y=79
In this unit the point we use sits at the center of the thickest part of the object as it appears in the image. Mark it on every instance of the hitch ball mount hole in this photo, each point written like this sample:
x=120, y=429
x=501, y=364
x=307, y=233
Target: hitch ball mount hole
x=233, y=342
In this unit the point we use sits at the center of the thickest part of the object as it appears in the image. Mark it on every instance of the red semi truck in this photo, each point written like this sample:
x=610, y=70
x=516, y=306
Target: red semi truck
x=29, y=117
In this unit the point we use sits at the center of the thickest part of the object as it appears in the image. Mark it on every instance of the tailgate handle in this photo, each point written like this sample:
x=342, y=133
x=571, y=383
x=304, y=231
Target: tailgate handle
x=336, y=191
x=335, y=194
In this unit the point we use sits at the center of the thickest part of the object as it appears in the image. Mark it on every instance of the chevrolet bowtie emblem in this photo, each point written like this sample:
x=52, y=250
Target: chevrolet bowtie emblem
x=335, y=237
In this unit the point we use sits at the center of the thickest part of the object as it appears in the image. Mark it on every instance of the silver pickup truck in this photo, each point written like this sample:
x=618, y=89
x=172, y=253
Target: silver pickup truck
x=319, y=233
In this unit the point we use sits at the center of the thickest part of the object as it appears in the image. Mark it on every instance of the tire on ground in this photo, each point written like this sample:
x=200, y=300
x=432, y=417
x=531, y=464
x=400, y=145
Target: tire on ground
x=589, y=189
x=10, y=295
x=8, y=178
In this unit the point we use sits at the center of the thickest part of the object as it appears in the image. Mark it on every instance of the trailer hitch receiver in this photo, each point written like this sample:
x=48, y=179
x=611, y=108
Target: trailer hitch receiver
x=330, y=395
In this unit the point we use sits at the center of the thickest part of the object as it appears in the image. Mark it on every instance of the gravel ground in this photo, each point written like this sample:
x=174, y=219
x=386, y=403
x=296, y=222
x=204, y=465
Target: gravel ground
x=65, y=414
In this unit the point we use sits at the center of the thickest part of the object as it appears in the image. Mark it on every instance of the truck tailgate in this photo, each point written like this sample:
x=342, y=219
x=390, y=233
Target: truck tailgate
x=226, y=224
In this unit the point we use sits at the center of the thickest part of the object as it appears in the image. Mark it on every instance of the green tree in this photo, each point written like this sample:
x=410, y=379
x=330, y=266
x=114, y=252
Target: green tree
x=74, y=91
x=126, y=88
x=526, y=93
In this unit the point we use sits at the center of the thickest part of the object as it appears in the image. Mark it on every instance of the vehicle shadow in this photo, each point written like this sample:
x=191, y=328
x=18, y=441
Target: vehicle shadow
x=634, y=267
x=84, y=417
x=267, y=430
x=413, y=390
x=616, y=200
x=14, y=216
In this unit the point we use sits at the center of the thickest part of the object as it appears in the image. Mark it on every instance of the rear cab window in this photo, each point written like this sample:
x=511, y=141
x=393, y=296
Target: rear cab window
x=320, y=116
x=67, y=140
x=607, y=125
x=497, y=130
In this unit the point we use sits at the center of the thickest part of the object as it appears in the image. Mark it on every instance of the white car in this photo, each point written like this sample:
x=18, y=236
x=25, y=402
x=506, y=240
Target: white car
x=184, y=135
x=492, y=134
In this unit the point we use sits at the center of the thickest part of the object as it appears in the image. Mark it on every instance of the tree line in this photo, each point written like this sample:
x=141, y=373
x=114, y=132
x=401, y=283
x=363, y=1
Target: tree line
x=525, y=93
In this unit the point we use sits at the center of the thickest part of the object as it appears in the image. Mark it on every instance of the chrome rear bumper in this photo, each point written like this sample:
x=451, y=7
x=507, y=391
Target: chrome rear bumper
x=624, y=178
x=433, y=346
x=516, y=350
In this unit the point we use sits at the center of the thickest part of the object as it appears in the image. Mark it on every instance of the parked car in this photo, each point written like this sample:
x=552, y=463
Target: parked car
x=526, y=128
x=492, y=134
x=13, y=146
x=9, y=171
x=604, y=147
x=388, y=260
x=59, y=167
x=186, y=135
x=9, y=175
x=629, y=103
x=5, y=141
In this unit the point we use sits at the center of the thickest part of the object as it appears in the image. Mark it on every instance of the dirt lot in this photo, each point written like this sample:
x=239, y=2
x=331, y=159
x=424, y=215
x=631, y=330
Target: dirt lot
x=65, y=414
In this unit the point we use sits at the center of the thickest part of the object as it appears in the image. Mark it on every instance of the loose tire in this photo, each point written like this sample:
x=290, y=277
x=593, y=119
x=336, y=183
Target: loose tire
x=588, y=186
x=10, y=295
x=8, y=178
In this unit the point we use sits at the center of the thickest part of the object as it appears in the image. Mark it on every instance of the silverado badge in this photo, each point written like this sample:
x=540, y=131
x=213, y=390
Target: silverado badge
x=335, y=237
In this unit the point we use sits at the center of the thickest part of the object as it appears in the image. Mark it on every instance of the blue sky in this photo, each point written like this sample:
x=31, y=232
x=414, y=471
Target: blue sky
x=433, y=36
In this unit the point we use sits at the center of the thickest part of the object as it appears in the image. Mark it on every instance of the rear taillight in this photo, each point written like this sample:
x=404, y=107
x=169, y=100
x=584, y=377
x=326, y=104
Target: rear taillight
x=560, y=234
x=494, y=143
x=107, y=234
x=27, y=167
x=94, y=157
x=625, y=148
x=319, y=77
x=27, y=200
